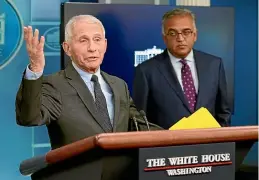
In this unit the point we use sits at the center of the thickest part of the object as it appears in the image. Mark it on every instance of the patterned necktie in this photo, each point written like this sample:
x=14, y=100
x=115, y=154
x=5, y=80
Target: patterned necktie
x=188, y=84
x=101, y=105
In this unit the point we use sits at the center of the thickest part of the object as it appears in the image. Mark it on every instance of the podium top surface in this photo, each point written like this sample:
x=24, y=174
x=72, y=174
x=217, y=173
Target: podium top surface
x=144, y=139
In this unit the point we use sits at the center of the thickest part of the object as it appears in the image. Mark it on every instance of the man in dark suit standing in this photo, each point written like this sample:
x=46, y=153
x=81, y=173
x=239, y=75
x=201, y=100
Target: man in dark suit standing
x=78, y=102
x=175, y=83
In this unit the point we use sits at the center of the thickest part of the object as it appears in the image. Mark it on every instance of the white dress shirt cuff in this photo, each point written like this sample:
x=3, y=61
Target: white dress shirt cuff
x=30, y=75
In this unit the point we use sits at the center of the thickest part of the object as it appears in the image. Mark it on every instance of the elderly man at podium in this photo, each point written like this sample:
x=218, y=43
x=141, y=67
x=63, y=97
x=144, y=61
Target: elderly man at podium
x=80, y=101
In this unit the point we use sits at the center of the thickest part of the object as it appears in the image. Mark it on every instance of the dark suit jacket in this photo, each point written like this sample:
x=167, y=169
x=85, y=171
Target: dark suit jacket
x=158, y=92
x=63, y=102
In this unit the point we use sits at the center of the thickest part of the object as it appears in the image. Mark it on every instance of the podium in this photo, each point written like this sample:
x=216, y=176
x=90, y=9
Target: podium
x=204, y=154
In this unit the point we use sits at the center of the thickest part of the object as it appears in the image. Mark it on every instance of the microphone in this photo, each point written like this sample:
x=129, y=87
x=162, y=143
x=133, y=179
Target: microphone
x=135, y=121
x=33, y=165
x=143, y=114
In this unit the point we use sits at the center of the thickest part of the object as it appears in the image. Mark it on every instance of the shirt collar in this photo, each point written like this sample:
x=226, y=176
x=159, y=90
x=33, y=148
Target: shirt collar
x=189, y=57
x=86, y=75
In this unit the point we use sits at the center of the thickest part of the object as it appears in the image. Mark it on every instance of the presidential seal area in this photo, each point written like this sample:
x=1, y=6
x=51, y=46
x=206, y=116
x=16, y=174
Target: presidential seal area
x=188, y=171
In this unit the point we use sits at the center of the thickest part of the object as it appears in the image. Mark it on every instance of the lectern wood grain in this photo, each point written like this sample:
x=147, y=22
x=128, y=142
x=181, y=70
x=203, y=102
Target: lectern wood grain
x=115, y=141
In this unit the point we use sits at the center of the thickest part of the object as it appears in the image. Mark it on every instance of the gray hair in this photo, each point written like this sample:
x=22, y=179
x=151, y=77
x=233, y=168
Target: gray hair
x=177, y=12
x=73, y=20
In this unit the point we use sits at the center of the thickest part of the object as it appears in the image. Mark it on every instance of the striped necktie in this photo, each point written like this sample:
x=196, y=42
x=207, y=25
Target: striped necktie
x=101, y=105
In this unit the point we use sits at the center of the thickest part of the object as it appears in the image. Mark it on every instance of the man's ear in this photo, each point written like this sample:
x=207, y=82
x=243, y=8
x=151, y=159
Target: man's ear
x=195, y=34
x=66, y=48
x=105, y=45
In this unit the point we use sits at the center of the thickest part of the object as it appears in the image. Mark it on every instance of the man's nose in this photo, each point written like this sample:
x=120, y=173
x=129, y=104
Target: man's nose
x=91, y=46
x=180, y=37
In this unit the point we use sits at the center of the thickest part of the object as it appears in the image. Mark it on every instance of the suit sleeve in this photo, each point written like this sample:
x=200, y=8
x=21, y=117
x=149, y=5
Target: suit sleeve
x=37, y=103
x=140, y=89
x=30, y=75
x=223, y=112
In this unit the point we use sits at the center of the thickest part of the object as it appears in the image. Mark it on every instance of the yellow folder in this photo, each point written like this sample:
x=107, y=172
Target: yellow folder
x=199, y=119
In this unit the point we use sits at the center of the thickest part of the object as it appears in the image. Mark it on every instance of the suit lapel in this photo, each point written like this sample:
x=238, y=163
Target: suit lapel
x=166, y=68
x=83, y=92
x=112, y=83
x=201, y=67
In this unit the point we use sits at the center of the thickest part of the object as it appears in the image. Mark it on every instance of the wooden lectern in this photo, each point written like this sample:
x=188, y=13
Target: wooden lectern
x=179, y=155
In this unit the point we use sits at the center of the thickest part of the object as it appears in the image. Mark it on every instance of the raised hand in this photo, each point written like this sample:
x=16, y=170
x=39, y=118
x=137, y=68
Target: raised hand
x=35, y=49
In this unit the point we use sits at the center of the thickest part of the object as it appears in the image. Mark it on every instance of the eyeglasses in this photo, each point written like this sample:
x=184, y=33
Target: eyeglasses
x=185, y=33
